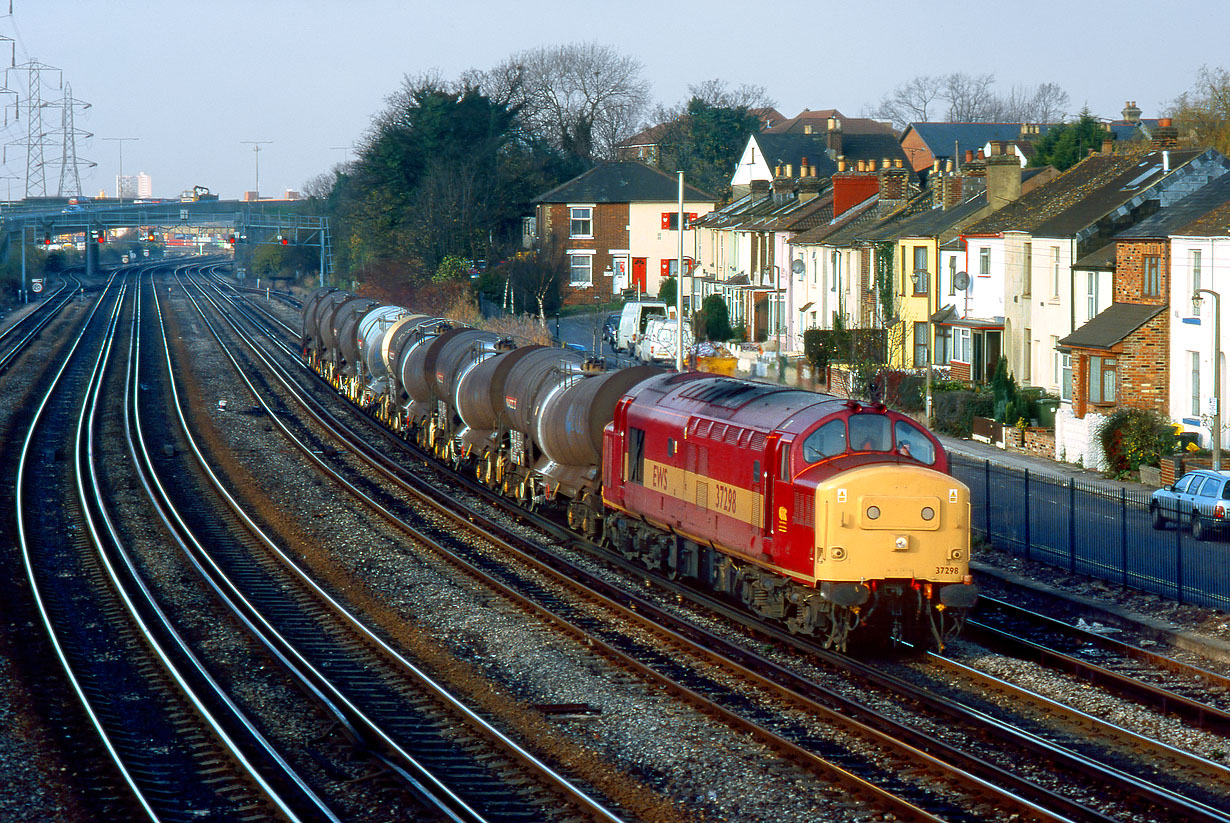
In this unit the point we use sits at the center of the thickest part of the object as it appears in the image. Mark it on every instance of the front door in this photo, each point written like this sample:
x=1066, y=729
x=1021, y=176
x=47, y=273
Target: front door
x=638, y=274
x=979, y=372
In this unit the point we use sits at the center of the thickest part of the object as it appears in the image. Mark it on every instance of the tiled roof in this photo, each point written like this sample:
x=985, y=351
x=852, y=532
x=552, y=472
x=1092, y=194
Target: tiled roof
x=1169, y=220
x=818, y=120
x=929, y=222
x=1215, y=223
x=782, y=149
x=623, y=183
x=940, y=137
x=1102, y=259
x=1112, y=326
x=850, y=222
x=1081, y=195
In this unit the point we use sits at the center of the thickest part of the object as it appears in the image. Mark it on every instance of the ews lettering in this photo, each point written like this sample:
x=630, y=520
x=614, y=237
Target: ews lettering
x=659, y=477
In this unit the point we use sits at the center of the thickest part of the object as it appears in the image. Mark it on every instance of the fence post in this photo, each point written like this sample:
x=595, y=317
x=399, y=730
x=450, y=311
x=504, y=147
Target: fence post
x=986, y=498
x=1072, y=524
x=1178, y=558
x=1123, y=560
x=1028, y=543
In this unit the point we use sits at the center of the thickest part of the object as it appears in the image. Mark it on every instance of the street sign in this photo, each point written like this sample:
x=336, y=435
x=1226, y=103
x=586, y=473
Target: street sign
x=36, y=285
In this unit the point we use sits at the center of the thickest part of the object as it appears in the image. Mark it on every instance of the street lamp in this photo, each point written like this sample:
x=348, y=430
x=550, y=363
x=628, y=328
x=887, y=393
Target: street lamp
x=256, y=152
x=1216, y=401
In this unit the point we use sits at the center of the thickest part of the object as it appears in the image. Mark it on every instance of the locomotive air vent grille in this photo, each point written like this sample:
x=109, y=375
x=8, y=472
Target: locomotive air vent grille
x=732, y=435
x=702, y=495
x=757, y=516
x=758, y=441
x=718, y=431
x=702, y=461
x=704, y=428
x=804, y=514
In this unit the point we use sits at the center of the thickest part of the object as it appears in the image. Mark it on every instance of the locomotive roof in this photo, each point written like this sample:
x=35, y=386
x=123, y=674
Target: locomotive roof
x=745, y=402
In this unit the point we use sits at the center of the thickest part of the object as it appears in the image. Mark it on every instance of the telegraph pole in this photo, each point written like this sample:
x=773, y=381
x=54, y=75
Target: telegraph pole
x=256, y=151
x=119, y=181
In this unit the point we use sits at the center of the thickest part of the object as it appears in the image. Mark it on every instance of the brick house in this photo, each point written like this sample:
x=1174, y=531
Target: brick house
x=1126, y=355
x=618, y=226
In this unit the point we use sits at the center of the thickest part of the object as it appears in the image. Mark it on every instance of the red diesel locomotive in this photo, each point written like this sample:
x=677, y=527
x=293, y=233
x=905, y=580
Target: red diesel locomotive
x=827, y=514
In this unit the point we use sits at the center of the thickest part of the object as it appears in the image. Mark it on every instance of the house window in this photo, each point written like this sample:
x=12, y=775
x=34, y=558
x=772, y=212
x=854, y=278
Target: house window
x=961, y=345
x=920, y=345
x=581, y=221
x=670, y=220
x=1055, y=271
x=952, y=276
x=1153, y=276
x=920, y=274
x=1195, y=271
x=1195, y=382
x=943, y=344
x=984, y=261
x=1027, y=270
x=1065, y=370
x=1091, y=289
x=581, y=269
x=1101, y=383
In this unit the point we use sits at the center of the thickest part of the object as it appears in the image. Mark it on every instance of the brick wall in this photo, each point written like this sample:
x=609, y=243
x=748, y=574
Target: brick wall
x=1130, y=271
x=1040, y=442
x=610, y=232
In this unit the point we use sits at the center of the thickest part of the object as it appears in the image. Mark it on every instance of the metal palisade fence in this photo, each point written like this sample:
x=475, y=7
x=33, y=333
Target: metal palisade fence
x=1095, y=530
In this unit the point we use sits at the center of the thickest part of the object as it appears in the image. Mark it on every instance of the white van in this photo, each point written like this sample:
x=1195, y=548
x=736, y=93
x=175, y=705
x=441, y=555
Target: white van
x=632, y=321
x=658, y=343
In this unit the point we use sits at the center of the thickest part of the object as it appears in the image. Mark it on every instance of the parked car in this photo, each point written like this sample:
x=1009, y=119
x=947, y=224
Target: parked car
x=632, y=321
x=610, y=329
x=1200, y=498
x=658, y=343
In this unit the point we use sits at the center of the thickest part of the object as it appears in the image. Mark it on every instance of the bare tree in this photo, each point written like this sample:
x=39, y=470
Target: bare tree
x=912, y=102
x=1203, y=112
x=970, y=98
x=719, y=94
x=1045, y=103
x=582, y=98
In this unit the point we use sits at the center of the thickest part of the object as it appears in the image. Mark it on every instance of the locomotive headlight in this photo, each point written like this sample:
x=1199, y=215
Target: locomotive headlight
x=928, y=513
x=956, y=554
x=838, y=553
x=873, y=512
x=903, y=543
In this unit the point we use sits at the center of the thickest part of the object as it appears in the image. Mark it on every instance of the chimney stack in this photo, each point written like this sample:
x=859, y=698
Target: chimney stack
x=1130, y=113
x=1003, y=172
x=832, y=137
x=1165, y=136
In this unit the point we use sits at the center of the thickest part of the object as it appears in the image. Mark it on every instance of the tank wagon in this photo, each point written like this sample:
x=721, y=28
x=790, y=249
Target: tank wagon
x=837, y=518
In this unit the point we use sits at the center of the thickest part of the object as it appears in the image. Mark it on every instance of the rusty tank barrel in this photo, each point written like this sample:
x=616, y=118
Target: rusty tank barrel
x=571, y=418
x=538, y=371
x=480, y=392
x=307, y=313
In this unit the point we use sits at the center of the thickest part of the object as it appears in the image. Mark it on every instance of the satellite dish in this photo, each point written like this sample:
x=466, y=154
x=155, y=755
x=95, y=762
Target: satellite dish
x=960, y=280
x=797, y=266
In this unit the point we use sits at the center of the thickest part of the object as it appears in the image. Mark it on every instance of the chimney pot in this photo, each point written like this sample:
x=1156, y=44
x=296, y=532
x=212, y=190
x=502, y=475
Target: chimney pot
x=807, y=128
x=1165, y=122
x=969, y=155
x=896, y=162
x=841, y=164
x=790, y=170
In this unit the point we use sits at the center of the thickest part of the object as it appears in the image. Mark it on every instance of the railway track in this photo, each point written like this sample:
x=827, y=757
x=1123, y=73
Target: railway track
x=1074, y=810
x=421, y=731
x=148, y=723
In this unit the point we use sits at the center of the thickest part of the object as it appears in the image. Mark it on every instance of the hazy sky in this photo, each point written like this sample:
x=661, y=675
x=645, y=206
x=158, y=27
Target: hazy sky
x=192, y=79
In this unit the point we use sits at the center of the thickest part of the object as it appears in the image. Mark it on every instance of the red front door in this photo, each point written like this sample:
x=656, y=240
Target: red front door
x=638, y=273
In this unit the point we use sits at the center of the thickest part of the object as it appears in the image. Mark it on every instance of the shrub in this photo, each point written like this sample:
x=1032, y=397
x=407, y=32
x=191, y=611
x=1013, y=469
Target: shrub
x=1132, y=438
x=955, y=411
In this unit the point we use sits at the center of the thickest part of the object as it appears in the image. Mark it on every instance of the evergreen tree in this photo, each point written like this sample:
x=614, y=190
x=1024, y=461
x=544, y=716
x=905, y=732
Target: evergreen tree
x=1065, y=145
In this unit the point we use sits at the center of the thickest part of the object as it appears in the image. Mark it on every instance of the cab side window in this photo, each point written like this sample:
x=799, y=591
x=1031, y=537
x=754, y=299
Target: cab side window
x=912, y=443
x=636, y=455
x=827, y=441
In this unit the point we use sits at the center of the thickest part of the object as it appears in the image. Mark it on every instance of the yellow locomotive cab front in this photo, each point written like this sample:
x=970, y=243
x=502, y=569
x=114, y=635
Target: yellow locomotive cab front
x=892, y=522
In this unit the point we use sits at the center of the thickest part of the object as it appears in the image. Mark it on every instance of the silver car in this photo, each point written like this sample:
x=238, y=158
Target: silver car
x=1200, y=498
